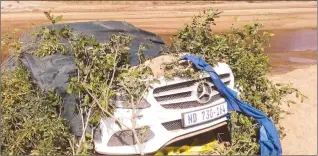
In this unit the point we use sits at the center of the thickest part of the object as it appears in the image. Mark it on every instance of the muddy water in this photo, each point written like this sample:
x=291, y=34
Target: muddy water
x=293, y=40
x=292, y=49
x=289, y=49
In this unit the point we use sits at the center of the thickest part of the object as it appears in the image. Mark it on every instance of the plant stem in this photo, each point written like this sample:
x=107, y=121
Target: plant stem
x=84, y=130
x=113, y=76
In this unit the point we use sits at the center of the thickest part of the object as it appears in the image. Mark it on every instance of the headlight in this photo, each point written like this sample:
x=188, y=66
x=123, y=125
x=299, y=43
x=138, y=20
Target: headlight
x=120, y=102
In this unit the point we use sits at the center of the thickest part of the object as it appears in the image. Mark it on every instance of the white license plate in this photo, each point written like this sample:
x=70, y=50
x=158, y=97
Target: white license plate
x=203, y=115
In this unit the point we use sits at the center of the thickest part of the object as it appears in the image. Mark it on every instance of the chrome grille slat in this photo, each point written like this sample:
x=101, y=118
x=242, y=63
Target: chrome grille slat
x=180, y=100
x=174, y=86
x=227, y=79
x=173, y=96
x=175, y=91
x=190, y=104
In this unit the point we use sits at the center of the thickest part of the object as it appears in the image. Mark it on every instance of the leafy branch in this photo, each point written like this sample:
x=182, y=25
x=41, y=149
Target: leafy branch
x=51, y=17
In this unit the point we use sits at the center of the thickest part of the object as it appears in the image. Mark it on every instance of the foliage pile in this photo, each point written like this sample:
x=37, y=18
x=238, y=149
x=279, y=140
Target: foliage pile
x=31, y=122
x=30, y=117
x=243, y=50
x=103, y=68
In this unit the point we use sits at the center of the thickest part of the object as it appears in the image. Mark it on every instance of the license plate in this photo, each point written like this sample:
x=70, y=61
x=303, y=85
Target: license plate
x=203, y=115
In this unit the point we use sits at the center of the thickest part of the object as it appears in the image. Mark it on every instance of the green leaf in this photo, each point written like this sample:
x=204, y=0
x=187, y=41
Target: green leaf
x=58, y=18
x=48, y=16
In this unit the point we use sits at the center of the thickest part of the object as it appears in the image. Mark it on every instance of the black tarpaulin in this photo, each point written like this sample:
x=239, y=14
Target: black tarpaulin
x=53, y=72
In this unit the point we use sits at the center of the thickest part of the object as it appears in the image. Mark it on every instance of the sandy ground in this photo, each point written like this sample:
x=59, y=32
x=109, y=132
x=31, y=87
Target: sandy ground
x=165, y=18
x=288, y=61
x=301, y=126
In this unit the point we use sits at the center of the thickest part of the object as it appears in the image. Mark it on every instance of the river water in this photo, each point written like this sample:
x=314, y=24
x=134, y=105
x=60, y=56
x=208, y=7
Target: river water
x=292, y=49
x=293, y=40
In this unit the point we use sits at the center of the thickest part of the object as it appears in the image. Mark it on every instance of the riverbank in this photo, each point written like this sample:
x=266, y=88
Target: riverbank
x=163, y=18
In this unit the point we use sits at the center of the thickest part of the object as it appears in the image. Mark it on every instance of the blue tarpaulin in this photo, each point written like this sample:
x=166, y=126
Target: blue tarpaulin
x=269, y=137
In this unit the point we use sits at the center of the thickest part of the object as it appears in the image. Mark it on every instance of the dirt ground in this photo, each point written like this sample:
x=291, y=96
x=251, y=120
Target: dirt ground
x=301, y=126
x=165, y=18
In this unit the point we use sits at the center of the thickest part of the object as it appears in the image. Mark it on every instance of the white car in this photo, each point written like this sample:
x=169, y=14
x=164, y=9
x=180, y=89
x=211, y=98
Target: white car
x=171, y=110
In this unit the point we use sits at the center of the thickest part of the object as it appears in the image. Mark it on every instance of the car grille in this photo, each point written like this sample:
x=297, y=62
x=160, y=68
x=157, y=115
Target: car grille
x=126, y=137
x=172, y=125
x=190, y=104
x=179, y=96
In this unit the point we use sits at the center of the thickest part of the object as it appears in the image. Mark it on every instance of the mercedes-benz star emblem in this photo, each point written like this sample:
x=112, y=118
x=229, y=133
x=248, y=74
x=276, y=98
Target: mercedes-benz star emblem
x=204, y=92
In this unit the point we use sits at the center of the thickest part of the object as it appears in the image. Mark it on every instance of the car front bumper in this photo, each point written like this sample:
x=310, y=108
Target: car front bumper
x=162, y=132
